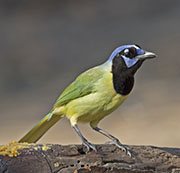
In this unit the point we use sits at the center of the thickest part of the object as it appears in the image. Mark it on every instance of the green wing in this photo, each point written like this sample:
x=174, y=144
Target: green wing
x=83, y=85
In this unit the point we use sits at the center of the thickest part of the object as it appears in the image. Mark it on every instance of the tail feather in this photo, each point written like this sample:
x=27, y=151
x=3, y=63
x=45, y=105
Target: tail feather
x=38, y=131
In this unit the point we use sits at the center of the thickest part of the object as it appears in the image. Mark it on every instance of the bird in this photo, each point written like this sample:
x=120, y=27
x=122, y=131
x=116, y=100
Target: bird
x=94, y=94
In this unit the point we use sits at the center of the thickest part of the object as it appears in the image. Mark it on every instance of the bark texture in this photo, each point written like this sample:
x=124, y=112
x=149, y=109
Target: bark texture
x=109, y=159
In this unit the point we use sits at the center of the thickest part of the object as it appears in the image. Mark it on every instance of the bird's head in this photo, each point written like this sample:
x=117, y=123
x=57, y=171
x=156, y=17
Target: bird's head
x=129, y=57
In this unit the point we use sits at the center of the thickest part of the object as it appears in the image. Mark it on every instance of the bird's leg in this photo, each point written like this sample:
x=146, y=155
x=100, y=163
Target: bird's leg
x=84, y=140
x=114, y=139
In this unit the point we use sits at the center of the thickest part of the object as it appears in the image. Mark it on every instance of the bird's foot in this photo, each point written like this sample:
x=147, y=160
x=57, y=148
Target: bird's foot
x=89, y=146
x=120, y=146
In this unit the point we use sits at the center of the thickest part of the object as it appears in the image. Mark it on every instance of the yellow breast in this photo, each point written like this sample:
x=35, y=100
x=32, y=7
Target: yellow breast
x=95, y=106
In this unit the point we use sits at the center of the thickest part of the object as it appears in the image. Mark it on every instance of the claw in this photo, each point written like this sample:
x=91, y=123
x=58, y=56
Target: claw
x=120, y=146
x=89, y=146
x=123, y=148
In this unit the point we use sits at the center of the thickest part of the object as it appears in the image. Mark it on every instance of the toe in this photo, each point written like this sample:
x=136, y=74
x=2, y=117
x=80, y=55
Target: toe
x=120, y=146
x=89, y=146
x=123, y=148
x=93, y=147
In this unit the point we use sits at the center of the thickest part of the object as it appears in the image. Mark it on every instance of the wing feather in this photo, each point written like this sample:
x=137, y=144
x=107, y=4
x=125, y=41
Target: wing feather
x=82, y=86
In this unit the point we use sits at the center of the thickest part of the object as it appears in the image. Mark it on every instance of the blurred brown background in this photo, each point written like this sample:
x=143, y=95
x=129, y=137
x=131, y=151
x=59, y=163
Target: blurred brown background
x=44, y=45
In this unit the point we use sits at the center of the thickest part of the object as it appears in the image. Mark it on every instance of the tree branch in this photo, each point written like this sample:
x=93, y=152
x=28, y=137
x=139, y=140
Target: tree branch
x=72, y=158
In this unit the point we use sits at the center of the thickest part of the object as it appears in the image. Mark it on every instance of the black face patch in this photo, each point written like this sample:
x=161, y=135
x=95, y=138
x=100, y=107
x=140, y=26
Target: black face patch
x=123, y=81
x=123, y=77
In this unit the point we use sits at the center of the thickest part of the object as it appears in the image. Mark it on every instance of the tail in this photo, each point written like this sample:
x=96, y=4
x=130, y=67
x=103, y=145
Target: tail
x=38, y=131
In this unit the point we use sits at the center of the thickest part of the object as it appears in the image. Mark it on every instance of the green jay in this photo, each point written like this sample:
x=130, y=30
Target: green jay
x=94, y=94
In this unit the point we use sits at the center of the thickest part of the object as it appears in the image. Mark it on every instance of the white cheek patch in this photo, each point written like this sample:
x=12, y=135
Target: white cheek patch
x=129, y=62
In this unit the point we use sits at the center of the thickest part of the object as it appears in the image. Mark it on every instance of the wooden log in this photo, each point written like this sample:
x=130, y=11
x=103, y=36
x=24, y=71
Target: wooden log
x=109, y=159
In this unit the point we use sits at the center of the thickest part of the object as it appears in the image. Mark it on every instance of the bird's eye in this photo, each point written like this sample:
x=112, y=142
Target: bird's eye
x=130, y=53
